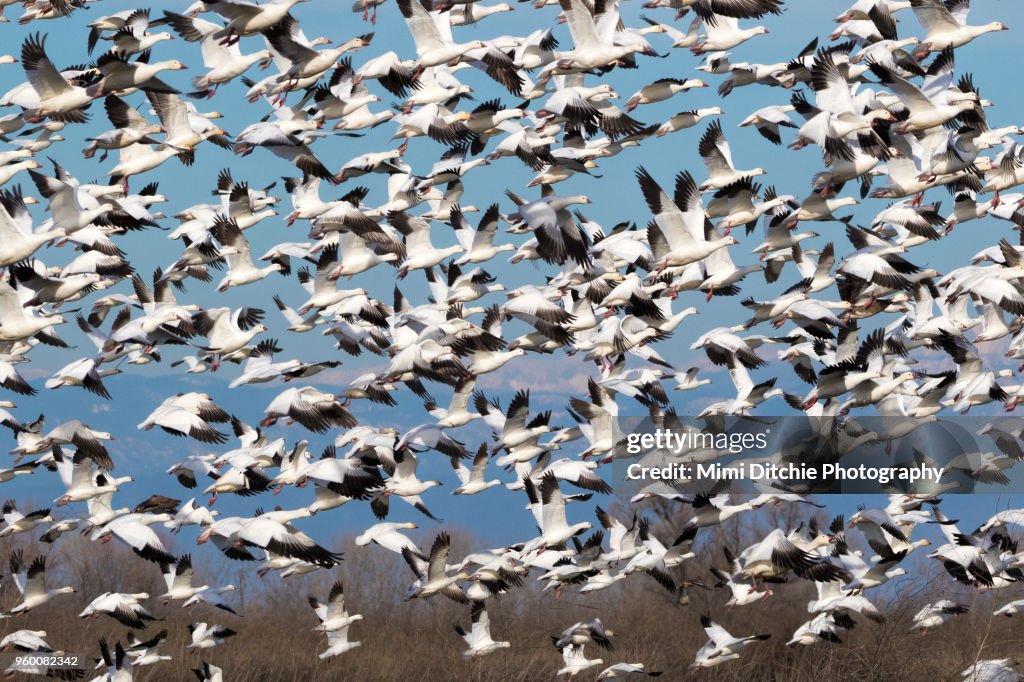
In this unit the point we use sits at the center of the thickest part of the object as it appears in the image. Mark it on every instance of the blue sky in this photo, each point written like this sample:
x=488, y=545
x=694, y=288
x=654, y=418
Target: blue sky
x=616, y=198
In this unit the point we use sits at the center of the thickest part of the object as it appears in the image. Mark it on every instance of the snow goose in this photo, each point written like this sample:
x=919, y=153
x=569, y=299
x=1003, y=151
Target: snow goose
x=188, y=415
x=579, y=634
x=184, y=131
x=85, y=373
x=575, y=661
x=748, y=395
x=111, y=23
x=823, y=627
x=468, y=14
x=559, y=238
x=190, y=515
x=306, y=62
x=123, y=607
x=678, y=236
x=179, y=580
x=932, y=106
x=16, y=522
x=387, y=536
x=86, y=440
x=433, y=46
x=288, y=139
x=655, y=558
x=133, y=36
x=865, y=575
x=477, y=245
x=81, y=480
x=946, y=25
x=479, y=639
x=181, y=421
x=277, y=536
x=8, y=171
x=247, y=18
x=688, y=381
x=715, y=151
x=621, y=671
x=457, y=413
x=227, y=331
x=624, y=541
x=338, y=643
x=58, y=99
x=26, y=640
x=420, y=253
x=134, y=531
x=937, y=613
x=16, y=232
x=992, y=670
x=345, y=97
x=404, y=483
x=346, y=474
x=119, y=664
x=711, y=510
x=555, y=529
x=662, y=89
x=241, y=270
x=431, y=574
x=742, y=592
x=205, y=636
x=593, y=45
x=1008, y=610
x=721, y=646
x=332, y=615
x=472, y=479
x=722, y=32
x=144, y=653
x=122, y=77
x=225, y=62
x=244, y=482
x=71, y=206
x=686, y=119
x=323, y=293
x=30, y=580
x=130, y=127
x=513, y=428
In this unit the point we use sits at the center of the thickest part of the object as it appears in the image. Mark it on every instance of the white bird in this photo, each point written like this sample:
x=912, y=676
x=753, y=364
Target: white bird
x=206, y=636
x=333, y=616
x=937, y=613
x=479, y=639
x=123, y=607
x=721, y=646
x=30, y=579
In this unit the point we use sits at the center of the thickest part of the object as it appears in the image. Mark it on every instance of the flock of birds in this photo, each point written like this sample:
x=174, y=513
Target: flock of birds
x=889, y=115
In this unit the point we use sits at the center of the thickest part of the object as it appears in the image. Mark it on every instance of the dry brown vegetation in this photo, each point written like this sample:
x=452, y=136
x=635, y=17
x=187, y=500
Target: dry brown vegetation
x=416, y=641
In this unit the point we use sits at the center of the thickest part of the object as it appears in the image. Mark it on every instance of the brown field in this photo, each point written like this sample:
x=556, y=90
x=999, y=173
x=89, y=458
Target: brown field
x=416, y=641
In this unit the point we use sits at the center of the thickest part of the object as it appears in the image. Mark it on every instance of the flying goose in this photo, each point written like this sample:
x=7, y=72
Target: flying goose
x=721, y=646
x=16, y=522
x=57, y=98
x=30, y=580
x=946, y=25
x=133, y=530
x=123, y=607
x=431, y=575
x=179, y=579
x=938, y=613
x=678, y=235
x=478, y=639
x=206, y=636
x=333, y=616
x=717, y=156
